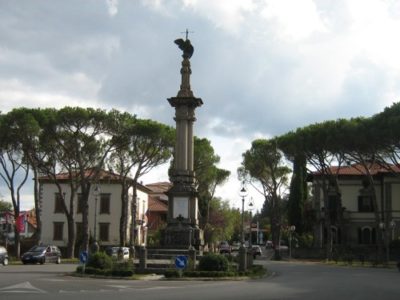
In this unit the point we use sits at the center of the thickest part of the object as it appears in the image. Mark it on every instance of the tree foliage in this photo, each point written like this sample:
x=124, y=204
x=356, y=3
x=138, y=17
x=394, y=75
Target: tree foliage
x=76, y=142
x=297, y=194
x=208, y=175
x=141, y=146
x=263, y=165
x=362, y=143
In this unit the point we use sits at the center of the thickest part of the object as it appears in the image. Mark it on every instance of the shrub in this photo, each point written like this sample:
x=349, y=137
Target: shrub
x=172, y=273
x=213, y=262
x=122, y=269
x=100, y=260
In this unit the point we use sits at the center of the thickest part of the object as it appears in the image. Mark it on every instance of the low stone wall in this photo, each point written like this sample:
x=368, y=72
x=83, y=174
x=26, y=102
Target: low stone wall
x=360, y=253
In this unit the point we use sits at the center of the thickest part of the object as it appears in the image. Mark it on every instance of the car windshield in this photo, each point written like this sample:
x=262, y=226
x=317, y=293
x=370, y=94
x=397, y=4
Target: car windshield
x=37, y=249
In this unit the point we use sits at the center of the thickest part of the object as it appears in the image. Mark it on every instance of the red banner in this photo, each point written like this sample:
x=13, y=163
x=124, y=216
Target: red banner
x=20, y=223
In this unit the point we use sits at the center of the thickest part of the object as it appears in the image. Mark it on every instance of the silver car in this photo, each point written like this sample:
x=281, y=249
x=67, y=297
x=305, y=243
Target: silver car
x=3, y=256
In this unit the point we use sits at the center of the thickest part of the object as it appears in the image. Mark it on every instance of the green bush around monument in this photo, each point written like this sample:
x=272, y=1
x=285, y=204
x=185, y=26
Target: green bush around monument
x=103, y=265
x=100, y=260
x=214, y=262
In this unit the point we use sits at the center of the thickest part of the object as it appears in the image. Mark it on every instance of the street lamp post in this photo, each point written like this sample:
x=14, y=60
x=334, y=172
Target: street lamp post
x=292, y=228
x=382, y=227
x=242, y=250
x=243, y=194
x=385, y=239
x=251, y=219
x=393, y=226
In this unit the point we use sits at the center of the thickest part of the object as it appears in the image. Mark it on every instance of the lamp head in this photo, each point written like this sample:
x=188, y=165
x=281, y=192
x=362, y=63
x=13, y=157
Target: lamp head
x=243, y=192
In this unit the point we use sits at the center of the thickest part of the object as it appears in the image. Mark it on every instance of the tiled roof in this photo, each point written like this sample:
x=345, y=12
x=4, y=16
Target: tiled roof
x=159, y=187
x=89, y=173
x=358, y=170
x=103, y=176
x=156, y=205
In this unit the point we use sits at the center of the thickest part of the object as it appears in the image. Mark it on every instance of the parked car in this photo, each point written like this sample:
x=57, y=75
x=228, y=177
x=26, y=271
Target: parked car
x=269, y=245
x=224, y=247
x=256, y=250
x=3, y=256
x=235, y=246
x=118, y=252
x=282, y=247
x=42, y=254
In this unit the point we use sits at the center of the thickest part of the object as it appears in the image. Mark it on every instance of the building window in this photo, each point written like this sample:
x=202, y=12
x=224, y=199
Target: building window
x=366, y=236
x=105, y=204
x=58, y=204
x=79, y=206
x=104, y=229
x=365, y=204
x=58, y=230
x=336, y=235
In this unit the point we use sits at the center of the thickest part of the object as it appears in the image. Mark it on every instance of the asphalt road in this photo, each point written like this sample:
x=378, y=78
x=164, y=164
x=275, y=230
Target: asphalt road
x=287, y=280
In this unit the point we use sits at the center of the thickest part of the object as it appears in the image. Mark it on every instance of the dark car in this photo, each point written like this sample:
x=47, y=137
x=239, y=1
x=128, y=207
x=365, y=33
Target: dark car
x=42, y=254
x=3, y=256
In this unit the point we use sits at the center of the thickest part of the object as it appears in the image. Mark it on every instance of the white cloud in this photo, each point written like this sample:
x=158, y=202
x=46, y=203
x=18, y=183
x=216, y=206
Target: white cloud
x=295, y=20
x=372, y=31
x=112, y=7
x=14, y=93
x=226, y=14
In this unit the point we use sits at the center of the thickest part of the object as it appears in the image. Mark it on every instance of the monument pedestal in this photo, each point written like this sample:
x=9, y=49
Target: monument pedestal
x=182, y=231
x=182, y=236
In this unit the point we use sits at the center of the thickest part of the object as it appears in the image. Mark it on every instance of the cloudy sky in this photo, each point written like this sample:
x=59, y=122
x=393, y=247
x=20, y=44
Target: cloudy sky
x=261, y=67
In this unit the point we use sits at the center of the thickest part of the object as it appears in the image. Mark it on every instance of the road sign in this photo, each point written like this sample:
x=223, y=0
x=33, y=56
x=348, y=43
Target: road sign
x=83, y=257
x=181, y=261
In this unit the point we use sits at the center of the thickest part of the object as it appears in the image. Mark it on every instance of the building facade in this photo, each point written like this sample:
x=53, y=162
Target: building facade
x=158, y=206
x=103, y=215
x=352, y=206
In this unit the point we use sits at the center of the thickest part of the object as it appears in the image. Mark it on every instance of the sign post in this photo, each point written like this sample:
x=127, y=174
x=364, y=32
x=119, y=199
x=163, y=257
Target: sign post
x=83, y=258
x=181, y=263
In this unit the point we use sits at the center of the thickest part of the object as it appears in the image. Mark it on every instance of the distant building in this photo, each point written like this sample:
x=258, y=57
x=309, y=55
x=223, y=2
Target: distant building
x=353, y=211
x=158, y=205
x=104, y=207
x=26, y=223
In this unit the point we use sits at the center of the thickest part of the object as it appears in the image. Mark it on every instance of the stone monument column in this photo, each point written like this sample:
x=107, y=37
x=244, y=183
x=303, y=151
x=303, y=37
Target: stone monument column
x=182, y=229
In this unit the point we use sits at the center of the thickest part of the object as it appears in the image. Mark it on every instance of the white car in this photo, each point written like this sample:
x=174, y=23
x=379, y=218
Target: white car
x=118, y=252
x=256, y=250
x=224, y=247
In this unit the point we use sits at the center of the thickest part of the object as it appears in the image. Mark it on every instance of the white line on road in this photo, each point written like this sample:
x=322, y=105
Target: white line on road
x=24, y=287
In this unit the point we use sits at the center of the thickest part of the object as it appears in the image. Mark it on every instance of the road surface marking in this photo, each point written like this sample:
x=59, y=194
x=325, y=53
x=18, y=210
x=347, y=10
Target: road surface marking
x=24, y=287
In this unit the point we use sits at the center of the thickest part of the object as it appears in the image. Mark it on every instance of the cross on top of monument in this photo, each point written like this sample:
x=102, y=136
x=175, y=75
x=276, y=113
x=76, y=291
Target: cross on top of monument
x=187, y=33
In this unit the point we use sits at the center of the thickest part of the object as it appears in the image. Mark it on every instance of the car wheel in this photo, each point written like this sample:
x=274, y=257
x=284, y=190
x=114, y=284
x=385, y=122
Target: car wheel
x=42, y=261
x=58, y=261
x=5, y=262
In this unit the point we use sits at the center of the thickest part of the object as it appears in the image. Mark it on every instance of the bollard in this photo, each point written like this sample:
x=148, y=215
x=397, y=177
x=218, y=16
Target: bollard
x=192, y=258
x=250, y=259
x=142, y=258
